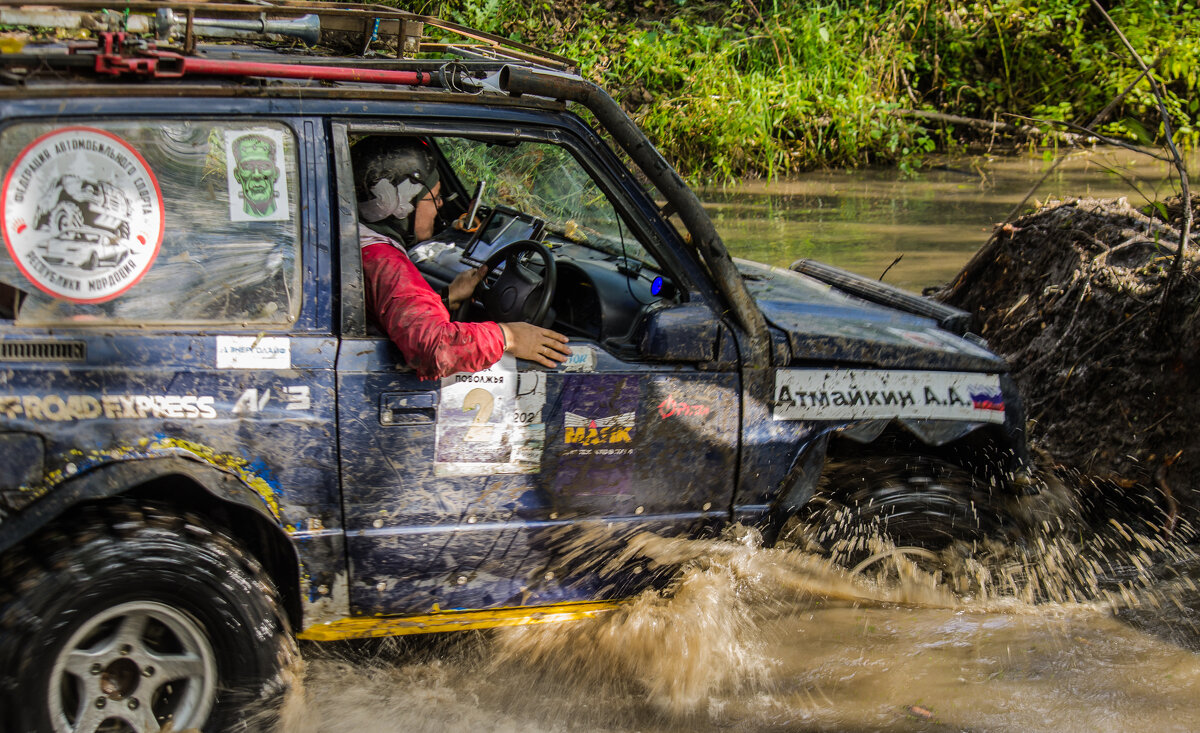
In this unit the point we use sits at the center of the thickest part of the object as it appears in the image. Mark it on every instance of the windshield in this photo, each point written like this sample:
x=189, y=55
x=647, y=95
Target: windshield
x=546, y=181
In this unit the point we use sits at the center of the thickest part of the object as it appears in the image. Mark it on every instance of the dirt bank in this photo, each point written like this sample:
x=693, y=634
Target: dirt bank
x=1071, y=294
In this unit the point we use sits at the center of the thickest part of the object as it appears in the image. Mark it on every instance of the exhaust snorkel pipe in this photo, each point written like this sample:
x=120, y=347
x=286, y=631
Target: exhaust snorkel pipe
x=518, y=80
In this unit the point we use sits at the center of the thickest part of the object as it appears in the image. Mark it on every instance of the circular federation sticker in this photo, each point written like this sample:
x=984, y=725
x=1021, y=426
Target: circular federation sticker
x=82, y=214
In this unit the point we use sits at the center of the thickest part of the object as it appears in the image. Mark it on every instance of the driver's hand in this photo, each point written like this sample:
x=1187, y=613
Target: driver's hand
x=463, y=285
x=534, y=343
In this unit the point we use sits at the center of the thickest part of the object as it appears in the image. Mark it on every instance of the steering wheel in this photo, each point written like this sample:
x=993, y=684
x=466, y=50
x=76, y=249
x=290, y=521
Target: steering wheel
x=518, y=293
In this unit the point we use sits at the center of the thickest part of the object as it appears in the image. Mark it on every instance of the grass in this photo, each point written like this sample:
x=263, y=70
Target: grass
x=771, y=88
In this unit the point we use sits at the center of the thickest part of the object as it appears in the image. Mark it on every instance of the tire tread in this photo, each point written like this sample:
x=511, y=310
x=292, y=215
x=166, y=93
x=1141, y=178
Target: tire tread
x=72, y=553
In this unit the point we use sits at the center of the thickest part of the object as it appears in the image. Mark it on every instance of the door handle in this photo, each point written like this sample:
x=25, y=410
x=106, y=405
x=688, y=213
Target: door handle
x=408, y=408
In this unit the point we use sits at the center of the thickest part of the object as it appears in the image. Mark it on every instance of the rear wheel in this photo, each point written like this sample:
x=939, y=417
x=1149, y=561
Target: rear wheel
x=126, y=618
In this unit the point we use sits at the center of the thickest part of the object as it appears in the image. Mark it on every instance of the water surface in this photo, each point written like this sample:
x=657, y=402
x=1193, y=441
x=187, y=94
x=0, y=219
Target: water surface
x=755, y=639
x=933, y=221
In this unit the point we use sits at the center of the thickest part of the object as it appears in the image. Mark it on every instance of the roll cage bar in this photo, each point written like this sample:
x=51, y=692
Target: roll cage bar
x=377, y=34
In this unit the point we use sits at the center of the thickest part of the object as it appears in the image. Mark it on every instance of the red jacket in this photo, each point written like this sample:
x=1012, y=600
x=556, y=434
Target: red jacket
x=414, y=318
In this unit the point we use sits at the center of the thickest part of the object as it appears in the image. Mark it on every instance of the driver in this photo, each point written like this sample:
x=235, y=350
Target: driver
x=399, y=193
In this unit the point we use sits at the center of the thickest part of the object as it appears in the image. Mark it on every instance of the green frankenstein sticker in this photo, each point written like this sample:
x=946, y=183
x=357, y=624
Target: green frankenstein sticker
x=257, y=189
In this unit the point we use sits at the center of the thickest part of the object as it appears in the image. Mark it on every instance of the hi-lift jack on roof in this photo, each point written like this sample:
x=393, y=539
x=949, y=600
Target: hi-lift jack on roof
x=118, y=54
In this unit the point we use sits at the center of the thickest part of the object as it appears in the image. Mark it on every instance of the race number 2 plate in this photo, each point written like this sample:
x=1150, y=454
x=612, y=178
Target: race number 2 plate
x=490, y=422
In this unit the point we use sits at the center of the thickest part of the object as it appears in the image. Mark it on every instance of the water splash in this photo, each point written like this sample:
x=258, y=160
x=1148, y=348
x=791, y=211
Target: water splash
x=753, y=637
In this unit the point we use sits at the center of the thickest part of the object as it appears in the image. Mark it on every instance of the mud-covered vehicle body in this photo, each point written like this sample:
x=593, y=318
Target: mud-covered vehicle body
x=210, y=449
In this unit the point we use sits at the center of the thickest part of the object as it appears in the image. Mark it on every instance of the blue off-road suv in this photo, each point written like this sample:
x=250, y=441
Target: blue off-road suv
x=208, y=449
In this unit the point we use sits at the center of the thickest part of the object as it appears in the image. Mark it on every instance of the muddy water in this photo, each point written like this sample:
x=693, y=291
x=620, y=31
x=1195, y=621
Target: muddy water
x=757, y=639
x=933, y=221
x=835, y=669
x=1073, y=629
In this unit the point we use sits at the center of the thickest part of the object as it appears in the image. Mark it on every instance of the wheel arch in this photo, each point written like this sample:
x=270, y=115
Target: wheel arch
x=220, y=497
x=986, y=451
x=990, y=452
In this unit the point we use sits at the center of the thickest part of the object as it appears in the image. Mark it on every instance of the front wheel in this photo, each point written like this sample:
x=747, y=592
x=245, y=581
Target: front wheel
x=129, y=618
x=908, y=500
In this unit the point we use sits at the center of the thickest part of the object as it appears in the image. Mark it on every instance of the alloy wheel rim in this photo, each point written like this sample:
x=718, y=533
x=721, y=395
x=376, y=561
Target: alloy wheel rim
x=134, y=666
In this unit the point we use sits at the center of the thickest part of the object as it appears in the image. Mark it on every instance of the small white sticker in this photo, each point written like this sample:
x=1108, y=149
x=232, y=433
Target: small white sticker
x=254, y=175
x=582, y=359
x=254, y=352
x=853, y=394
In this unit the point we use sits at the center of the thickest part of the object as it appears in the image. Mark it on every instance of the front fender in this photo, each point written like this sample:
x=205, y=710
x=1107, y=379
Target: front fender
x=119, y=476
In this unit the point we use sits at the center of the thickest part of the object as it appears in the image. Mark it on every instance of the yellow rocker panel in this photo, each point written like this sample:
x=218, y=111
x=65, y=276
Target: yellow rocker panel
x=442, y=621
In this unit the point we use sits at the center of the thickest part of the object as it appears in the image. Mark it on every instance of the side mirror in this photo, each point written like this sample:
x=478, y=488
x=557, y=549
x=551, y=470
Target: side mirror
x=686, y=333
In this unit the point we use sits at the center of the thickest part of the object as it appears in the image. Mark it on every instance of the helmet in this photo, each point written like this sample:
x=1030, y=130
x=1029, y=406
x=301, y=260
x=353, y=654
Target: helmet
x=390, y=175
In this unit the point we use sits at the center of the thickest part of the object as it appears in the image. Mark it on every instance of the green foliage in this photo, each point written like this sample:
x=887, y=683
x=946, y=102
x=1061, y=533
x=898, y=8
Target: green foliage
x=766, y=87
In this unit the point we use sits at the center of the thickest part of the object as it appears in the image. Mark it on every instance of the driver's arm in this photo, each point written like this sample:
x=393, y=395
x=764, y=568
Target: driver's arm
x=414, y=318
x=417, y=321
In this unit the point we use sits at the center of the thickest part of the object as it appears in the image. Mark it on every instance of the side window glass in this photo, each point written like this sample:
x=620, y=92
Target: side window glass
x=150, y=222
x=545, y=181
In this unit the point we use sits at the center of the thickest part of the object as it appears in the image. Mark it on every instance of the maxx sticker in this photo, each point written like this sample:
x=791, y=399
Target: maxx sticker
x=599, y=435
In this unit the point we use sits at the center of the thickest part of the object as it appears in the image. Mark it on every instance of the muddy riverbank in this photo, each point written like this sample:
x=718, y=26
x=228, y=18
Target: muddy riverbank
x=1072, y=296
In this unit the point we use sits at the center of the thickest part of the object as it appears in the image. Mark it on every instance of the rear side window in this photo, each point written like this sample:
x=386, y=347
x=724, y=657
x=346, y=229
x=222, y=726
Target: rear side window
x=149, y=222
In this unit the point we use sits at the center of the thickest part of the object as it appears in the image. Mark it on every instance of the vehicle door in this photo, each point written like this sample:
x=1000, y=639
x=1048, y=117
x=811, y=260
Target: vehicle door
x=514, y=486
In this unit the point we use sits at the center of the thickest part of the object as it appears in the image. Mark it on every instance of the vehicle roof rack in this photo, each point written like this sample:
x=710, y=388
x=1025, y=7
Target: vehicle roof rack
x=361, y=36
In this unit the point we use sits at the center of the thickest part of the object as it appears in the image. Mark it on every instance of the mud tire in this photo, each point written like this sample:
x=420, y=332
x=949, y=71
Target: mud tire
x=911, y=500
x=129, y=555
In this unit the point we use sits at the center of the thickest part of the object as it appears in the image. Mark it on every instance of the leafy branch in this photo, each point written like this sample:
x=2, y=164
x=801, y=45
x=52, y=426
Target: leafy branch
x=1176, y=159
